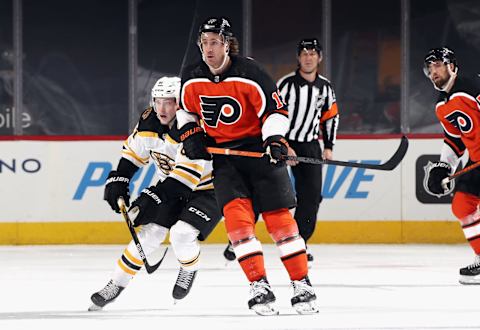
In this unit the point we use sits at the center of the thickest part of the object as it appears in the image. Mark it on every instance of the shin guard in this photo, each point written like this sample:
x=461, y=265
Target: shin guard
x=284, y=232
x=465, y=208
x=150, y=236
x=240, y=224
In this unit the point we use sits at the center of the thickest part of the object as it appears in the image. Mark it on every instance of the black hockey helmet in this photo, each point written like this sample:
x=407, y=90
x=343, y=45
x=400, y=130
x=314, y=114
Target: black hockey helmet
x=218, y=25
x=309, y=43
x=444, y=54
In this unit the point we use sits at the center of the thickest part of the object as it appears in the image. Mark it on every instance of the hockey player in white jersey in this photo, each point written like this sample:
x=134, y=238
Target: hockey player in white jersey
x=182, y=202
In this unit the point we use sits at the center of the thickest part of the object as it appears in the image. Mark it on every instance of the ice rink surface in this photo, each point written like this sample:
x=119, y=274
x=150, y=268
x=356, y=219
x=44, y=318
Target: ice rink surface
x=358, y=287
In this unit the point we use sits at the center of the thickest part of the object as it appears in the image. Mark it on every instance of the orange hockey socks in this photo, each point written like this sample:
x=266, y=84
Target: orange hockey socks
x=284, y=231
x=240, y=225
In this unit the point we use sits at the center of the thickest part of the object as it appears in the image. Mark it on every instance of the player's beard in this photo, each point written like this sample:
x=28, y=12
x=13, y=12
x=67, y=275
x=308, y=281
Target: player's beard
x=442, y=82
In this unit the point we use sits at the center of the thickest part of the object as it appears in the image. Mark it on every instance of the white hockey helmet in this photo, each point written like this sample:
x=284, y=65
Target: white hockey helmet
x=166, y=87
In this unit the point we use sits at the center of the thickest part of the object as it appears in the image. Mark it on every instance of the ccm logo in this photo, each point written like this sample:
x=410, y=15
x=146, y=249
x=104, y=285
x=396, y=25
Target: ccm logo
x=199, y=213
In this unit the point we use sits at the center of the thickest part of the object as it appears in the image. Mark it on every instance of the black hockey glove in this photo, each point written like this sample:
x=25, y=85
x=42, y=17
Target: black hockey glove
x=277, y=147
x=117, y=184
x=116, y=187
x=194, y=141
x=146, y=207
x=436, y=173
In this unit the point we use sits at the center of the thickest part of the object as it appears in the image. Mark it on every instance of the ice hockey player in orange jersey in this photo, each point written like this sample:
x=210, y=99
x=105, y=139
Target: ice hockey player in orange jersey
x=241, y=108
x=458, y=110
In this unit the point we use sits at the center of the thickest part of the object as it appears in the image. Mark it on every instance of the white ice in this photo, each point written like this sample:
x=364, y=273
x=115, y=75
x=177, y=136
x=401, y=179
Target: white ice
x=358, y=287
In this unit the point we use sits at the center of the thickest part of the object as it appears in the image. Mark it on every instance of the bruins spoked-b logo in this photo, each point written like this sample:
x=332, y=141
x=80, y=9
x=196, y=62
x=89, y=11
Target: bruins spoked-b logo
x=224, y=109
x=163, y=162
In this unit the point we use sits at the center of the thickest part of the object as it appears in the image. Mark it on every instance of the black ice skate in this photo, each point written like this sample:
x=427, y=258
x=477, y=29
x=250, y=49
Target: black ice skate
x=262, y=298
x=105, y=296
x=304, y=297
x=183, y=284
x=229, y=254
x=471, y=273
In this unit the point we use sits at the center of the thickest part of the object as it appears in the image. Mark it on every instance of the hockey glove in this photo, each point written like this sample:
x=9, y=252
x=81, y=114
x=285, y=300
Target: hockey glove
x=436, y=173
x=277, y=147
x=194, y=141
x=146, y=207
x=117, y=184
x=116, y=187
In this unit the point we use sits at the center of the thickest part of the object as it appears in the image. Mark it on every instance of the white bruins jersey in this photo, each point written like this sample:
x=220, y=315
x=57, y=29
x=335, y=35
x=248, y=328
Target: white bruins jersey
x=151, y=140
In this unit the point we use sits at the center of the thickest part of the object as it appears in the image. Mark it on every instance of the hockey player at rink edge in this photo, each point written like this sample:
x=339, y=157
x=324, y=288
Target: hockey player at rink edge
x=458, y=110
x=240, y=108
x=184, y=185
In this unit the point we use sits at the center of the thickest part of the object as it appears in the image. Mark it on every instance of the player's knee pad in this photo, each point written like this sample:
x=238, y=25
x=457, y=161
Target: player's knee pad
x=284, y=231
x=151, y=236
x=238, y=214
x=280, y=223
x=182, y=233
x=184, y=239
x=465, y=207
x=244, y=242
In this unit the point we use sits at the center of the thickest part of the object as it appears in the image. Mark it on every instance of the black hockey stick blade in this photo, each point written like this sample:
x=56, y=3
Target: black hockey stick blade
x=149, y=268
x=389, y=165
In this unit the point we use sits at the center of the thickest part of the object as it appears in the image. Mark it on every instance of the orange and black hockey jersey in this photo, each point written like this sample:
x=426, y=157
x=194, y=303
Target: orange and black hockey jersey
x=459, y=114
x=232, y=105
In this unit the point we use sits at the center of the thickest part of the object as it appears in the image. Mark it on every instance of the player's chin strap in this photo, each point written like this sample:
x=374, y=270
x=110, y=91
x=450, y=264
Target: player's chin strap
x=448, y=85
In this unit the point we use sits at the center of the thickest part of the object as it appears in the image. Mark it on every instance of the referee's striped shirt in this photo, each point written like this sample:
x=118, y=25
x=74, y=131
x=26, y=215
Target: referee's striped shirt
x=311, y=107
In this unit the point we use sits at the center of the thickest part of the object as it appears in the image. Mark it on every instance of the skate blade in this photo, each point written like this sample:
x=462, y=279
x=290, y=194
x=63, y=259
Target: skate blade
x=305, y=308
x=94, y=308
x=469, y=280
x=264, y=309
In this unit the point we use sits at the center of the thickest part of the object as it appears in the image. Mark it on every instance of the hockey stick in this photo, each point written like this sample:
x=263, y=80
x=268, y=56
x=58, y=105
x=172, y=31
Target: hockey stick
x=387, y=166
x=460, y=173
x=149, y=268
x=232, y=152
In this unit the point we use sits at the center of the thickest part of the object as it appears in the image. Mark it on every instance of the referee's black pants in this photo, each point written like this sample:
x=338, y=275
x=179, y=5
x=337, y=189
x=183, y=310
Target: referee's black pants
x=308, y=187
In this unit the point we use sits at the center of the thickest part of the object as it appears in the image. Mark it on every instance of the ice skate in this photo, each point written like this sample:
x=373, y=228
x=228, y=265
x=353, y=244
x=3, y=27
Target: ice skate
x=304, y=298
x=229, y=254
x=105, y=296
x=471, y=273
x=183, y=284
x=262, y=298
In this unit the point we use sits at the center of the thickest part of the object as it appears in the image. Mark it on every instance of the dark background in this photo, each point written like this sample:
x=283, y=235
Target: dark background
x=76, y=57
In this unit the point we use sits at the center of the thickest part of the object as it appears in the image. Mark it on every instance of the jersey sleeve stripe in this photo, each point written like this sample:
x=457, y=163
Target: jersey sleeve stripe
x=148, y=134
x=195, y=167
x=186, y=178
x=189, y=170
x=330, y=113
x=456, y=147
x=169, y=139
x=130, y=155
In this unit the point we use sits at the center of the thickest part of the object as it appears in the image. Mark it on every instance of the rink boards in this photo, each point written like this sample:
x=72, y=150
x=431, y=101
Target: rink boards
x=52, y=192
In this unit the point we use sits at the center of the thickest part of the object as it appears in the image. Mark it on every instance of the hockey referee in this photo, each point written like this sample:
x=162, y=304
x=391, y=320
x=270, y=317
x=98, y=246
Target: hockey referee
x=311, y=107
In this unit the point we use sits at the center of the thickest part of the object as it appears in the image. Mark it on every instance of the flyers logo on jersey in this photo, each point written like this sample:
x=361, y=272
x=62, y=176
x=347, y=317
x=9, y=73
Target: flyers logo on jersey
x=224, y=109
x=460, y=120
